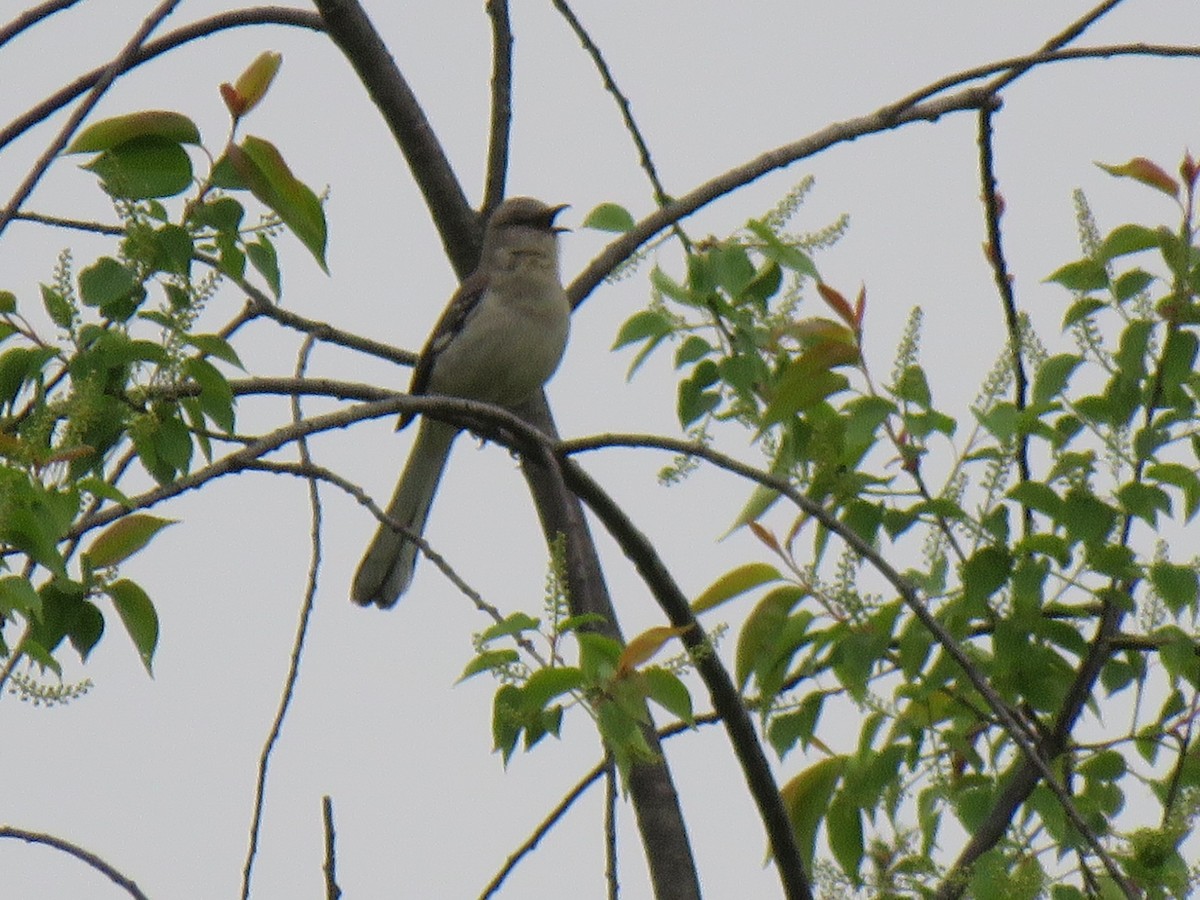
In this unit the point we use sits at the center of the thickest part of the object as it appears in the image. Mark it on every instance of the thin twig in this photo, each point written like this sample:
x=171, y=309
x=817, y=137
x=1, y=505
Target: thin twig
x=1064, y=37
x=320, y=473
x=661, y=197
x=1004, y=284
x=332, y=891
x=611, y=792
x=310, y=593
x=36, y=837
x=118, y=65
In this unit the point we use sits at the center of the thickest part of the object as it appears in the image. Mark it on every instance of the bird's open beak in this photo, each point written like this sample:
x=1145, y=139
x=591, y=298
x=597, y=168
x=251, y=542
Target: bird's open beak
x=554, y=211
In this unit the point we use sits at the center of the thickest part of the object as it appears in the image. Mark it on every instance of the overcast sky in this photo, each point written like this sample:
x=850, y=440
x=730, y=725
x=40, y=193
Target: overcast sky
x=156, y=776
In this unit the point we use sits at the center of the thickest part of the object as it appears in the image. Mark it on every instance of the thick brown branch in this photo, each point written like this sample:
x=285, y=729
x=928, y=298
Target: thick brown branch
x=501, y=126
x=458, y=225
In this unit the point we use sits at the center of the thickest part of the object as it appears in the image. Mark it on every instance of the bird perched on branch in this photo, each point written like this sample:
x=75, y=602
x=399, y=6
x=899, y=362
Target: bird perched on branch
x=499, y=340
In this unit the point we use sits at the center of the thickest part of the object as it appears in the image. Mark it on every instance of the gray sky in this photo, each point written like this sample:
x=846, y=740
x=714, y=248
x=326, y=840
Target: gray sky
x=156, y=776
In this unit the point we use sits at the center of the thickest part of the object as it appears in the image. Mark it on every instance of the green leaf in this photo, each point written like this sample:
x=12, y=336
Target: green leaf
x=19, y=596
x=844, y=831
x=57, y=307
x=985, y=572
x=138, y=615
x=787, y=728
x=1178, y=586
x=609, y=217
x=1053, y=375
x=489, y=661
x=649, y=324
x=1086, y=517
x=264, y=258
x=261, y=167
x=785, y=254
x=913, y=387
x=168, y=126
x=86, y=628
x=1130, y=284
x=1083, y=275
x=805, y=382
x=506, y=719
x=668, y=691
x=1107, y=765
x=216, y=397
x=214, y=345
x=106, y=282
x=125, y=537
x=758, y=642
x=545, y=685
x=144, y=167
x=735, y=583
x=1144, y=501
x=1126, y=239
x=806, y=798
x=1181, y=477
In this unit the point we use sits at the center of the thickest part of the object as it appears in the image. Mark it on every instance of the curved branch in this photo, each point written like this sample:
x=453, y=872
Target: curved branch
x=884, y=119
x=31, y=17
x=35, y=837
x=267, y=15
x=459, y=226
x=724, y=695
x=1025, y=739
x=915, y=107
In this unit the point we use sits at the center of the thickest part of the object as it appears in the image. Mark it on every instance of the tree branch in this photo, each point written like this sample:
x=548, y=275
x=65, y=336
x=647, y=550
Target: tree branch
x=293, y=673
x=501, y=127
x=118, y=65
x=35, y=837
x=32, y=17
x=459, y=226
x=267, y=15
x=992, y=209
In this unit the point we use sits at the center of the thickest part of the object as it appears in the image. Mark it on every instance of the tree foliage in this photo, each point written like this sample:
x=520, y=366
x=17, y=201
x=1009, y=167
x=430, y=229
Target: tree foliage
x=1001, y=599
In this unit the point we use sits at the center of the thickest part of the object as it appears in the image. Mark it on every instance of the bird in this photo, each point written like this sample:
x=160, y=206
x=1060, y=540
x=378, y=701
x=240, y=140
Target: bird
x=499, y=340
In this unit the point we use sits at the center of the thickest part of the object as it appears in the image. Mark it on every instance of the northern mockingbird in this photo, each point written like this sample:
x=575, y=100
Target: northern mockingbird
x=499, y=340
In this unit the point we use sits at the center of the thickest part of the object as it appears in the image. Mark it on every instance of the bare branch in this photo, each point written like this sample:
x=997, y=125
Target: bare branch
x=458, y=225
x=994, y=249
x=111, y=71
x=310, y=593
x=884, y=119
x=501, y=127
x=35, y=837
x=332, y=891
x=31, y=17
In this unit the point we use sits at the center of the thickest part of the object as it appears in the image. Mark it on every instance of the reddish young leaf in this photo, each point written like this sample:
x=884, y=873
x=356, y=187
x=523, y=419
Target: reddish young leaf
x=252, y=84
x=234, y=102
x=646, y=644
x=836, y=302
x=1149, y=173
